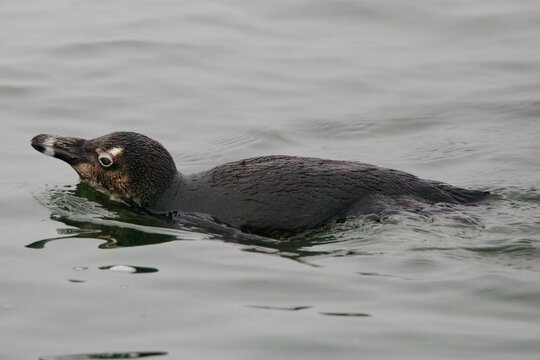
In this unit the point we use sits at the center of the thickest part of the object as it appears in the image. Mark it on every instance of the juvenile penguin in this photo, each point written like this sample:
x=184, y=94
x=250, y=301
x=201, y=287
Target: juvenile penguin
x=262, y=195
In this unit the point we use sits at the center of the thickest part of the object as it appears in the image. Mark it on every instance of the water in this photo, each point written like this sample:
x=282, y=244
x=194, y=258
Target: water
x=447, y=90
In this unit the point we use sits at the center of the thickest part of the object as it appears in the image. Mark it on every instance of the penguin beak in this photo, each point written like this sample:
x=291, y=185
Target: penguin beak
x=68, y=149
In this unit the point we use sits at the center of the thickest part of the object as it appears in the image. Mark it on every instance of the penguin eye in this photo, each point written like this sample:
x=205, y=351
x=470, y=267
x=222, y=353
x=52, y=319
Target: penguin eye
x=105, y=160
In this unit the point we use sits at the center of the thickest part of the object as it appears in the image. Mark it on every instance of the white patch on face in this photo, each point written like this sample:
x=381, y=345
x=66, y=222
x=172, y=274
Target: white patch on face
x=48, y=145
x=116, y=151
x=48, y=151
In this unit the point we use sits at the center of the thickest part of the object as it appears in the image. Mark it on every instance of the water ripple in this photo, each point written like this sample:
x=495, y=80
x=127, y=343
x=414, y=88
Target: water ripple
x=282, y=308
x=445, y=150
x=223, y=148
x=116, y=355
x=97, y=48
x=345, y=314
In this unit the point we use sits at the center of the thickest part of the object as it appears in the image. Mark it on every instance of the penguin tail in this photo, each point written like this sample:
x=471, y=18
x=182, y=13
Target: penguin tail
x=463, y=196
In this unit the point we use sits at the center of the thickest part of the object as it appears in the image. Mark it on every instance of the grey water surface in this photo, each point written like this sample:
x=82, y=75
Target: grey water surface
x=446, y=90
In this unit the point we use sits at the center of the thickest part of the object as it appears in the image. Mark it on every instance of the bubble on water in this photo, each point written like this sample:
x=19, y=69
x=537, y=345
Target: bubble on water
x=129, y=269
x=121, y=268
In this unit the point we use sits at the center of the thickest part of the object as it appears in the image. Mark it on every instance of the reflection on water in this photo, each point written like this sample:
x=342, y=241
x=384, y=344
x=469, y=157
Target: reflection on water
x=114, y=236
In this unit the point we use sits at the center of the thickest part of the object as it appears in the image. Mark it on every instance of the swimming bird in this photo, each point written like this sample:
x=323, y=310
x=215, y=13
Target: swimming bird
x=263, y=195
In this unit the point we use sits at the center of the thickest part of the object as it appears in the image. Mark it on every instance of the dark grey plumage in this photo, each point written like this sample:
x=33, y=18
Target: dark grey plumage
x=263, y=195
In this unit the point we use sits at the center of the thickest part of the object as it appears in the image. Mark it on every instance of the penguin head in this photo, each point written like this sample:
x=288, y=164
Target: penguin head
x=127, y=164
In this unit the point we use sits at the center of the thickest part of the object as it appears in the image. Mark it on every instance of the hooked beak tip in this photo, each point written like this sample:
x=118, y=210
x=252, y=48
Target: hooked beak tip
x=44, y=143
x=68, y=149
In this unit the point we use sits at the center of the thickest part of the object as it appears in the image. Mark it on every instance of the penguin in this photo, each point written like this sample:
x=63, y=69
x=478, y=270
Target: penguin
x=275, y=194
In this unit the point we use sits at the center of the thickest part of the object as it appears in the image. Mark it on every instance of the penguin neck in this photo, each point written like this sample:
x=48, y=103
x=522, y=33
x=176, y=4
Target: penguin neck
x=174, y=198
